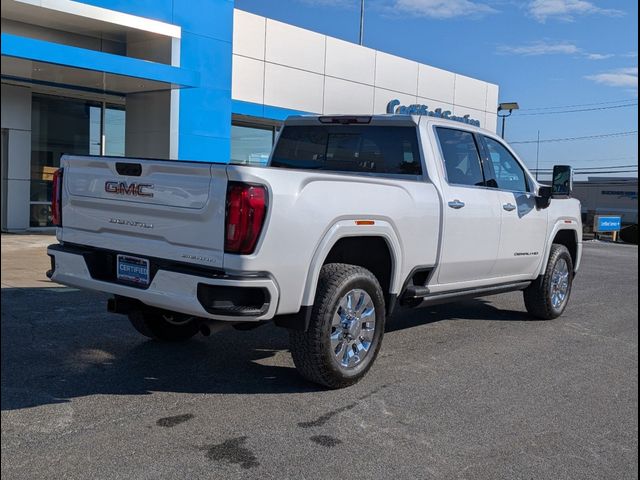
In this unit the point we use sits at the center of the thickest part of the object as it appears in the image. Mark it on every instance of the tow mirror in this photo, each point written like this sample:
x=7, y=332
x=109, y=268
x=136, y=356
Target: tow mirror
x=562, y=181
x=561, y=186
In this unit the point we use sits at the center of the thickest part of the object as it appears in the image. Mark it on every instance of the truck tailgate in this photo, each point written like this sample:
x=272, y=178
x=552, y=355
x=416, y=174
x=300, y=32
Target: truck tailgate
x=156, y=208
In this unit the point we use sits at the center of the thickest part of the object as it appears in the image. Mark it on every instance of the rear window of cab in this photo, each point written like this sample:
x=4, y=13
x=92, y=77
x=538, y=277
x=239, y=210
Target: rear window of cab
x=349, y=148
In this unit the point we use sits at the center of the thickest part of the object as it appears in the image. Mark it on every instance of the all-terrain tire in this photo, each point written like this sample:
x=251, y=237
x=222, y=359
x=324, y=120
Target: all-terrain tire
x=538, y=296
x=311, y=350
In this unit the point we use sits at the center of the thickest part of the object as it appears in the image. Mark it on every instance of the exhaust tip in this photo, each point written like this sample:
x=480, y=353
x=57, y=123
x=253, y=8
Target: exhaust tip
x=205, y=330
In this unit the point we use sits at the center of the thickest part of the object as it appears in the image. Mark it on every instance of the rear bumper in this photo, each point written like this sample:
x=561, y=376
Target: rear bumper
x=180, y=288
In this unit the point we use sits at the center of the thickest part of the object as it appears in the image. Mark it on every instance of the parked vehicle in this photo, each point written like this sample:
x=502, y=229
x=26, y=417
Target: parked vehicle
x=353, y=218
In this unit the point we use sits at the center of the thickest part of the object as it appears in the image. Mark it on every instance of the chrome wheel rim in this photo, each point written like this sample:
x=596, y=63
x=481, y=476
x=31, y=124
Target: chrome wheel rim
x=559, y=288
x=352, y=328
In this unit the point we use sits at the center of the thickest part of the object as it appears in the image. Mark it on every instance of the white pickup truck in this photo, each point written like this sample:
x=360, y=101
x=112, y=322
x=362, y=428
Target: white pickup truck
x=353, y=218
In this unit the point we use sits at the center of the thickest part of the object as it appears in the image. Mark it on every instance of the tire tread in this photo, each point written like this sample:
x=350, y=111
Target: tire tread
x=306, y=347
x=536, y=297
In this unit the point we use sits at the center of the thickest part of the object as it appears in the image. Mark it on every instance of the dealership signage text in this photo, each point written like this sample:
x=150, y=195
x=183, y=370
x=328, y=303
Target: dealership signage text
x=394, y=107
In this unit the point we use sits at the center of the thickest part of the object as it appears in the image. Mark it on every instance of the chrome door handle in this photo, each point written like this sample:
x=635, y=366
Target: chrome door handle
x=457, y=204
x=509, y=207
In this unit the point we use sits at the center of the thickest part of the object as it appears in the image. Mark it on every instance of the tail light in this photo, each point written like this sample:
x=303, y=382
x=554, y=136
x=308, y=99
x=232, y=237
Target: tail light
x=246, y=210
x=56, y=199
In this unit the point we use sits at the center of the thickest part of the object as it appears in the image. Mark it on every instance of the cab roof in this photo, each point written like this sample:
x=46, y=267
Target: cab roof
x=379, y=119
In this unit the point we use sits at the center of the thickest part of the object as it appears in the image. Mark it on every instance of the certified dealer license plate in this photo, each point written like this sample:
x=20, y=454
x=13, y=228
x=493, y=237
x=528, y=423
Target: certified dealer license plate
x=133, y=269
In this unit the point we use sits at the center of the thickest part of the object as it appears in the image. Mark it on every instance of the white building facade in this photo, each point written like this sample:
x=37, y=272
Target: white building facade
x=196, y=80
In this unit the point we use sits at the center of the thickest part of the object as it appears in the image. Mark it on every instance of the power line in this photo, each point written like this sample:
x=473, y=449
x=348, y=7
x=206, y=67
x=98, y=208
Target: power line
x=607, y=166
x=589, y=160
x=579, y=171
x=600, y=167
x=605, y=171
x=579, y=105
x=579, y=110
x=570, y=139
x=594, y=172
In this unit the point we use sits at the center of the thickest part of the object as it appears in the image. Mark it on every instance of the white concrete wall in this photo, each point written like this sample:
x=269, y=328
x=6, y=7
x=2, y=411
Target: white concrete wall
x=16, y=118
x=285, y=66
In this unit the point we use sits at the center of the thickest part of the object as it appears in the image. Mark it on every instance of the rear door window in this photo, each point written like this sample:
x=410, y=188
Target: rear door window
x=461, y=158
x=349, y=148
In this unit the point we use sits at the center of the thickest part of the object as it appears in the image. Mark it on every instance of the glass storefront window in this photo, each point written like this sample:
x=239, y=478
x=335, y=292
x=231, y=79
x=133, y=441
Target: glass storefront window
x=251, y=145
x=62, y=125
x=114, y=125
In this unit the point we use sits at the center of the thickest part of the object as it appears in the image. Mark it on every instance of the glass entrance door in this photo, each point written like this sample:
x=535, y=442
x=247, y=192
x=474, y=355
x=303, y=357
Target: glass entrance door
x=61, y=125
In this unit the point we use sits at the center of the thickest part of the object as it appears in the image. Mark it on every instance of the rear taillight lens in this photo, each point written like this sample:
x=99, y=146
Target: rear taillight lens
x=56, y=199
x=246, y=211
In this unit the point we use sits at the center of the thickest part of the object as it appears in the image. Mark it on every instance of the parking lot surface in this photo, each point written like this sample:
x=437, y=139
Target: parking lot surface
x=475, y=390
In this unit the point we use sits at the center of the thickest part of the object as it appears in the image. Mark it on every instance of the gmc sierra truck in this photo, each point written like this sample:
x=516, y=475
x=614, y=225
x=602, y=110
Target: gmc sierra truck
x=352, y=219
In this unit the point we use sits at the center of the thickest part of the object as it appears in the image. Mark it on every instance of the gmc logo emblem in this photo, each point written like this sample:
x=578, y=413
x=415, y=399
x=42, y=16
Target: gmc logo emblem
x=134, y=189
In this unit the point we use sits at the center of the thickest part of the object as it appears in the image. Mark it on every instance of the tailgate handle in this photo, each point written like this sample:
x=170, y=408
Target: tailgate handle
x=129, y=169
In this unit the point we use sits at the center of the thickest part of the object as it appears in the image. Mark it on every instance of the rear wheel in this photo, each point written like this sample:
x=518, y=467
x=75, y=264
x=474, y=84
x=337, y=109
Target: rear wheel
x=346, y=328
x=547, y=297
x=164, y=326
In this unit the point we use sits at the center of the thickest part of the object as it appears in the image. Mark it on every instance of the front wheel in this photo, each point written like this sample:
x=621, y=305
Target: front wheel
x=164, y=326
x=346, y=328
x=547, y=297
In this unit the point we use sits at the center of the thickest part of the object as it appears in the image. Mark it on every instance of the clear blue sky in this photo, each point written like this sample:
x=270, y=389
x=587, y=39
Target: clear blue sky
x=542, y=53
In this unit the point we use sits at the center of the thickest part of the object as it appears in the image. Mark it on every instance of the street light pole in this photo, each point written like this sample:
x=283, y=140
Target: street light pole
x=537, y=155
x=509, y=107
x=361, y=37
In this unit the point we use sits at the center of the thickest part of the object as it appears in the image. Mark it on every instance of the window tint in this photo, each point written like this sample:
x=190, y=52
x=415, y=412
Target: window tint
x=508, y=172
x=349, y=148
x=461, y=158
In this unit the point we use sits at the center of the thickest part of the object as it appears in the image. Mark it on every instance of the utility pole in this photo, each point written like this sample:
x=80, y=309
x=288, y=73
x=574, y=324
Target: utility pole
x=538, y=155
x=361, y=37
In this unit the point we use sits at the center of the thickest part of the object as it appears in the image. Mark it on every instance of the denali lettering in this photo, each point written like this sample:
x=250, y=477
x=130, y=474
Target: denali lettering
x=134, y=189
x=198, y=258
x=131, y=223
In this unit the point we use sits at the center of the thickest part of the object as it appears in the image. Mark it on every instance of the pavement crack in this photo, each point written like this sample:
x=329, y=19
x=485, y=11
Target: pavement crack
x=321, y=420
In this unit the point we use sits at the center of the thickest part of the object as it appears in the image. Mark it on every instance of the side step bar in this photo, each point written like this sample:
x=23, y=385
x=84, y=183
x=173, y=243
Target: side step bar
x=415, y=293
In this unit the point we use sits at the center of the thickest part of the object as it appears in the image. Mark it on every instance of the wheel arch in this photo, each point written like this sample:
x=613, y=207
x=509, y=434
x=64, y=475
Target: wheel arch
x=564, y=234
x=375, y=247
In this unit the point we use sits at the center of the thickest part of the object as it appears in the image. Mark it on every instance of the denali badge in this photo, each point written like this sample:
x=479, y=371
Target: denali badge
x=131, y=223
x=134, y=189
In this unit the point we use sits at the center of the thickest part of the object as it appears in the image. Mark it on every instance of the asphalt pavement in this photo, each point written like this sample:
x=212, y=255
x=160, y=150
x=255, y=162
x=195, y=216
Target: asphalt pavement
x=475, y=390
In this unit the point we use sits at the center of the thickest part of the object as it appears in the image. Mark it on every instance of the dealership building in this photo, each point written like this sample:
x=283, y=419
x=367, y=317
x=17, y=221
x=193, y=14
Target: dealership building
x=187, y=80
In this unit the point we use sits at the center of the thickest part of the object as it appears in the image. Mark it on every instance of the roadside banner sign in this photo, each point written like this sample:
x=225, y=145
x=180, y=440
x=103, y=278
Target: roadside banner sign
x=607, y=223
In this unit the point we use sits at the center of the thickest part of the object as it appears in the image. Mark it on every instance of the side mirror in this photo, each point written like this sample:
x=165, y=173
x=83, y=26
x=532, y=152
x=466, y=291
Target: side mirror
x=543, y=199
x=562, y=181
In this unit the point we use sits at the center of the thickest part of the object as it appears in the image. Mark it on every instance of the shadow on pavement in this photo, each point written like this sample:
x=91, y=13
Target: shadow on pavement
x=59, y=344
x=474, y=309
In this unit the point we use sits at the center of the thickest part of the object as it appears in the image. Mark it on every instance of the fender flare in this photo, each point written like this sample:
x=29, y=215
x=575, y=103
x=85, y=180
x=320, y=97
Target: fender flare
x=560, y=225
x=348, y=228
